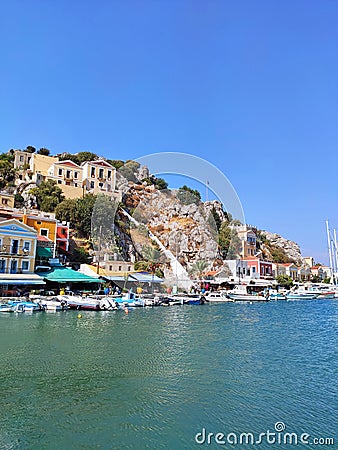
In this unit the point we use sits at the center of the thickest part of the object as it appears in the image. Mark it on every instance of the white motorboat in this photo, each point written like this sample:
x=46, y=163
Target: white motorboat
x=243, y=293
x=217, y=297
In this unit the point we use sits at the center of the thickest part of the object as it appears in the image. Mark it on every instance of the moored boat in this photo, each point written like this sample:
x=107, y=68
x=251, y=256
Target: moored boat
x=25, y=306
x=243, y=293
x=301, y=295
x=4, y=307
x=217, y=297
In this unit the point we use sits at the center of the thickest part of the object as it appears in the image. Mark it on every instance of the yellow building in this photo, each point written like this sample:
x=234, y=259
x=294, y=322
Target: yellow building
x=6, y=200
x=100, y=177
x=34, y=167
x=45, y=226
x=248, y=240
x=17, y=247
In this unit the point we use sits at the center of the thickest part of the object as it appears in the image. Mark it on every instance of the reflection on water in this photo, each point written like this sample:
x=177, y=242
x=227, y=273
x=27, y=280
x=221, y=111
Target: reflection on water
x=156, y=377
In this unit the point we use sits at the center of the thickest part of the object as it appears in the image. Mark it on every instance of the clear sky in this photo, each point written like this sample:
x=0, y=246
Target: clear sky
x=251, y=86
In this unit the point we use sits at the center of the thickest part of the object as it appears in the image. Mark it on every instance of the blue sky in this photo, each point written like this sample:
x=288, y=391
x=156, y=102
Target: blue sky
x=251, y=86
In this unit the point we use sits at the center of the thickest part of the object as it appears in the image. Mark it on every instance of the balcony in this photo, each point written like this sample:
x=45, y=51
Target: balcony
x=68, y=177
x=4, y=251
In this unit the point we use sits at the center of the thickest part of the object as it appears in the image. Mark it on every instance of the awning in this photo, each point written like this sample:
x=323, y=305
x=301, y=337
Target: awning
x=66, y=275
x=136, y=277
x=21, y=279
x=44, y=252
x=145, y=277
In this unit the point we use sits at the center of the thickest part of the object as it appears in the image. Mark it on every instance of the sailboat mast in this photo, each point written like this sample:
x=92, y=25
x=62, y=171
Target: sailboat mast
x=335, y=250
x=329, y=245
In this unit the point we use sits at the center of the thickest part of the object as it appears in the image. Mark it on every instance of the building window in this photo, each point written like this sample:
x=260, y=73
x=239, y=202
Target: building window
x=59, y=182
x=129, y=268
x=120, y=268
x=92, y=185
x=109, y=174
x=15, y=246
x=26, y=246
x=101, y=185
x=21, y=158
x=2, y=266
x=253, y=269
x=25, y=265
x=75, y=184
x=44, y=232
x=60, y=172
x=76, y=174
x=101, y=173
x=92, y=172
x=110, y=267
x=4, y=201
x=14, y=266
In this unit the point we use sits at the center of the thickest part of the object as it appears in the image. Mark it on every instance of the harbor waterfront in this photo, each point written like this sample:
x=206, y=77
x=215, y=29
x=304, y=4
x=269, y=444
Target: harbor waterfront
x=158, y=377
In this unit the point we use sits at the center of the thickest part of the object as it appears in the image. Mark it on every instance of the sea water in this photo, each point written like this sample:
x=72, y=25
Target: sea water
x=230, y=375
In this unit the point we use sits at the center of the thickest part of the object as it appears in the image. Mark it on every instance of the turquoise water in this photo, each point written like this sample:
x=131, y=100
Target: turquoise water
x=157, y=377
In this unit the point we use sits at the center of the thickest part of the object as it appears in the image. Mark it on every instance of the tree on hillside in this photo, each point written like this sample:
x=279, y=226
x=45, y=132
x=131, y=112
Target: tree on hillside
x=284, y=281
x=30, y=149
x=187, y=196
x=199, y=268
x=65, y=211
x=215, y=219
x=86, y=156
x=117, y=163
x=83, y=215
x=153, y=259
x=7, y=170
x=44, y=151
x=102, y=223
x=68, y=156
x=229, y=242
x=48, y=195
x=159, y=183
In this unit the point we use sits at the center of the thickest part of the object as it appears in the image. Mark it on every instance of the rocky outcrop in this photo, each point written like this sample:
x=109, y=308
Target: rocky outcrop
x=182, y=228
x=217, y=205
x=291, y=248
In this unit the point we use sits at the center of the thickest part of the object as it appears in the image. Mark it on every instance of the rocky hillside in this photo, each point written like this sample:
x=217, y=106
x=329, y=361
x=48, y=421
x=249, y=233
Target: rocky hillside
x=279, y=249
x=187, y=230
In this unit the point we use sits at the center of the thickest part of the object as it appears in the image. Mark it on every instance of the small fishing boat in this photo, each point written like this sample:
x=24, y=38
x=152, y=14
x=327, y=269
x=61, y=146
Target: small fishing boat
x=243, y=293
x=4, y=307
x=301, y=295
x=217, y=297
x=194, y=300
x=53, y=304
x=276, y=295
x=25, y=306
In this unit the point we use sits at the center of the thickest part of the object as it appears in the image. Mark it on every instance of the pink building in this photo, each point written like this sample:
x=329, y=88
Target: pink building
x=259, y=268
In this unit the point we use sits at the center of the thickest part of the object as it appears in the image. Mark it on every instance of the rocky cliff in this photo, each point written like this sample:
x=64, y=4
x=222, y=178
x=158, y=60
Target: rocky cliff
x=187, y=230
x=290, y=248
